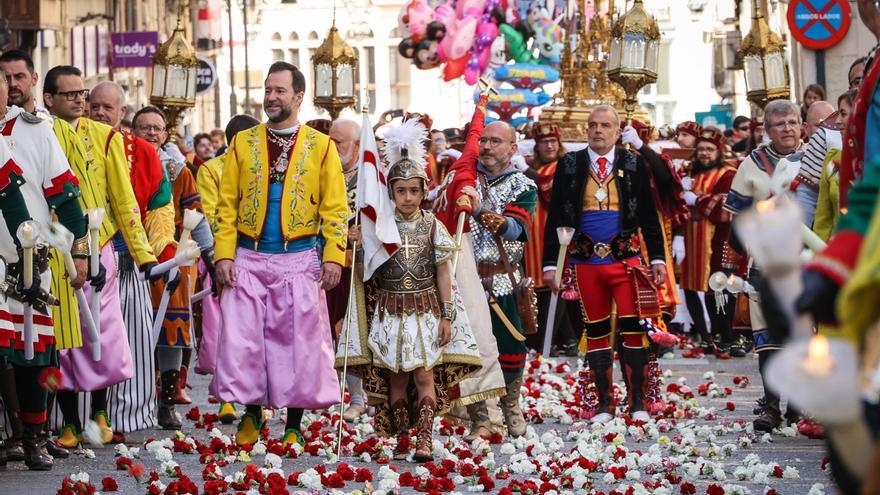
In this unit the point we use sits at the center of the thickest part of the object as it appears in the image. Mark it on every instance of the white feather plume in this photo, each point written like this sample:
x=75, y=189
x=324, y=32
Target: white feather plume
x=410, y=136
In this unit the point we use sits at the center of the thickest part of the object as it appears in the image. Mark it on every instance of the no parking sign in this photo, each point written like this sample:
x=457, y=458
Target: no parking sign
x=819, y=24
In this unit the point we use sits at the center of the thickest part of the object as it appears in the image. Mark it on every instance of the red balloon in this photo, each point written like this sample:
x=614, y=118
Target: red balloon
x=455, y=68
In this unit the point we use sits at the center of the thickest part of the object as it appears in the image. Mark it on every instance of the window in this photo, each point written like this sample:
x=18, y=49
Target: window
x=288, y=1
x=398, y=68
x=313, y=35
x=664, y=86
x=277, y=55
x=293, y=37
x=276, y=37
x=370, y=62
x=294, y=56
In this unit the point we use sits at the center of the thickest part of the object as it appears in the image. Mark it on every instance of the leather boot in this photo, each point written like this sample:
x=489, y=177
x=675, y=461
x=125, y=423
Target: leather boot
x=636, y=371
x=14, y=448
x=181, y=397
x=601, y=368
x=424, y=443
x=771, y=416
x=167, y=416
x=513, y=415
x=2, y=457
x=481, y=426
x=400, y=420
x=36, y=458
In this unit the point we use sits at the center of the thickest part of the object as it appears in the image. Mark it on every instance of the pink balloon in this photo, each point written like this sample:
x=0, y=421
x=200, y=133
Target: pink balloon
x=466, y=8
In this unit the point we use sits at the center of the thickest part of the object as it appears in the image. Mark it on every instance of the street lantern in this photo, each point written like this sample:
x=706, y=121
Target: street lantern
x=174, y=76
x=634, y=54
x=764, y=63
x=335, y=63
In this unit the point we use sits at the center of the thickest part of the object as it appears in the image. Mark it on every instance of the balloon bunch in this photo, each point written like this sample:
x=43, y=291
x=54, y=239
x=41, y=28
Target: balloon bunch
x=472, y=38
x=525, y=79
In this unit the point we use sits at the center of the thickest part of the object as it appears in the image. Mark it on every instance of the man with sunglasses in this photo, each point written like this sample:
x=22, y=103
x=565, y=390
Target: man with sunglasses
x=65, y=97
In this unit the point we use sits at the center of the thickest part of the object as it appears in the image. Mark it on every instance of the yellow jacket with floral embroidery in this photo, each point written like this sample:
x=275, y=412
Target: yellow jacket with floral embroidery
x=208, y=182
x=313, y=200
x=105, y=147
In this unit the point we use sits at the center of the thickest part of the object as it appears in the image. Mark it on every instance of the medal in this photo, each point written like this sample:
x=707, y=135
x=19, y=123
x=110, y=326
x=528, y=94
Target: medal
x=601, y=194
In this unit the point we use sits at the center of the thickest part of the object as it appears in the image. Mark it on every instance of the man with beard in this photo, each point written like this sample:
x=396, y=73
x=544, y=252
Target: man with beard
x=64, y=96
x=131, y=402
x=503, y=204
x=548, y=150
x=754, y=181
x=282, y=189
x=708, y=178
x=604, y=193
x=36, y=181
x=176, y=333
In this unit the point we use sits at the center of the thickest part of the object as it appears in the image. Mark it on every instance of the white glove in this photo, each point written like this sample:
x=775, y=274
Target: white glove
x=678, y=249
x=631, y=136
x=519, y=163
x=450, y=153
x=690, y=198
x=687, y=183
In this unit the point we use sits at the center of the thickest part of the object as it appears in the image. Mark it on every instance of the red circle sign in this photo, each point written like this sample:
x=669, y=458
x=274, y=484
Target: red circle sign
x=819, y=24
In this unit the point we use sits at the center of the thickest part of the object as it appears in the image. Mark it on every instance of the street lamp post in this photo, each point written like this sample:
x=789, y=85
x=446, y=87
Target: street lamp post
x=635, y=49
x=764, y=63
x=174, y=77
x=335, y=69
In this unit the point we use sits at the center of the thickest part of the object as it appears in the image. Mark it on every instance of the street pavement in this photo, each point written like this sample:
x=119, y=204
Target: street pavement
x=798, y=452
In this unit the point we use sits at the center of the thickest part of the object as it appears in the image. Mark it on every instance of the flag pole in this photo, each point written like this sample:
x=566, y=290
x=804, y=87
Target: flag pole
x=459, y=229
x=348, y=309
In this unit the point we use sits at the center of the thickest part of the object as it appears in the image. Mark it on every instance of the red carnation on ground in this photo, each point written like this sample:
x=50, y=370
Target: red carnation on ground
x=715, y=490
x=193, y=414
x=687, y=488
x=363, y=475
x=109, y=484
x=730, y=406
x=123, y=463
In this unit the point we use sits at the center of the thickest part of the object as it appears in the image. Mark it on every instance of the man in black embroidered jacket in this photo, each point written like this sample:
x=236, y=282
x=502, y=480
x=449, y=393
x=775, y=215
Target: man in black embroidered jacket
x=604, y=193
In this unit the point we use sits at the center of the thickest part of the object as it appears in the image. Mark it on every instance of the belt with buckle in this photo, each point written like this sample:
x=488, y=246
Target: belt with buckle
x=601, y=249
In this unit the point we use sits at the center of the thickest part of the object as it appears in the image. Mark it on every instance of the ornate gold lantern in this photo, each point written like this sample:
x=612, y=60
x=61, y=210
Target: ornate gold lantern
x=335, y=63
x=634, y=54
x=764, y=63
x=174, y=76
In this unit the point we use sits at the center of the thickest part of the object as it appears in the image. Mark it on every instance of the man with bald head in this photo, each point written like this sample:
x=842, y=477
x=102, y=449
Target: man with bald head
x=131, y=403
x=604, y=193
x=503, y=205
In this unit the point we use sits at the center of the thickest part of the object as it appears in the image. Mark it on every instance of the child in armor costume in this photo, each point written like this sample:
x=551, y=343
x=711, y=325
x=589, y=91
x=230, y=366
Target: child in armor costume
x=419, y=337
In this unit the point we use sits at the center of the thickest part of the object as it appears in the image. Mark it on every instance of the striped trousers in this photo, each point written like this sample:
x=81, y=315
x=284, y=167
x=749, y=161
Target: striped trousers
x=131, y=403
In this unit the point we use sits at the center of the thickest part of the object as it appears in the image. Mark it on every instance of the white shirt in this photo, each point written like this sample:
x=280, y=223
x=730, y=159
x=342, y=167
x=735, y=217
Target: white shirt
x=594, y=160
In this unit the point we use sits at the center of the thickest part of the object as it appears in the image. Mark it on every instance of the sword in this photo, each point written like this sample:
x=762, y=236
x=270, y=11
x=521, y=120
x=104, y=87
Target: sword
x=27, y=237
x=493, y=303
x=564, y=234
x=96, y=217
x=163, y=305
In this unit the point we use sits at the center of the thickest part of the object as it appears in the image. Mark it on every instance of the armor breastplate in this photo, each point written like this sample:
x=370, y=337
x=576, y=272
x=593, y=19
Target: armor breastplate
x=411, y=268
x=501, y=192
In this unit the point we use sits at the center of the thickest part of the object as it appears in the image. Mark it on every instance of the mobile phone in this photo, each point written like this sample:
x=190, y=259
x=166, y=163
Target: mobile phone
x=397, y=112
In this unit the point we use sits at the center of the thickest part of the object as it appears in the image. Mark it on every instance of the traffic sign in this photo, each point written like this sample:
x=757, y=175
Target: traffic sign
x=819, y=24
x=206, y=76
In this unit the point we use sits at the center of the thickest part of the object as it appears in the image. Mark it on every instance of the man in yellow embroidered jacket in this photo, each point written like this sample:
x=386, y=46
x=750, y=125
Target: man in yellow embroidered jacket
x=64, y=96
x=282, y=195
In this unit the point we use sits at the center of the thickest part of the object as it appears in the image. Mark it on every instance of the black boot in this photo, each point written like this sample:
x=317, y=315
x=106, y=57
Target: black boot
x=601, y=368
x=167, y=416
x=771, y=417
x=36, y=458
x=2, y=457
x=636, y=371
x=14, y=448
